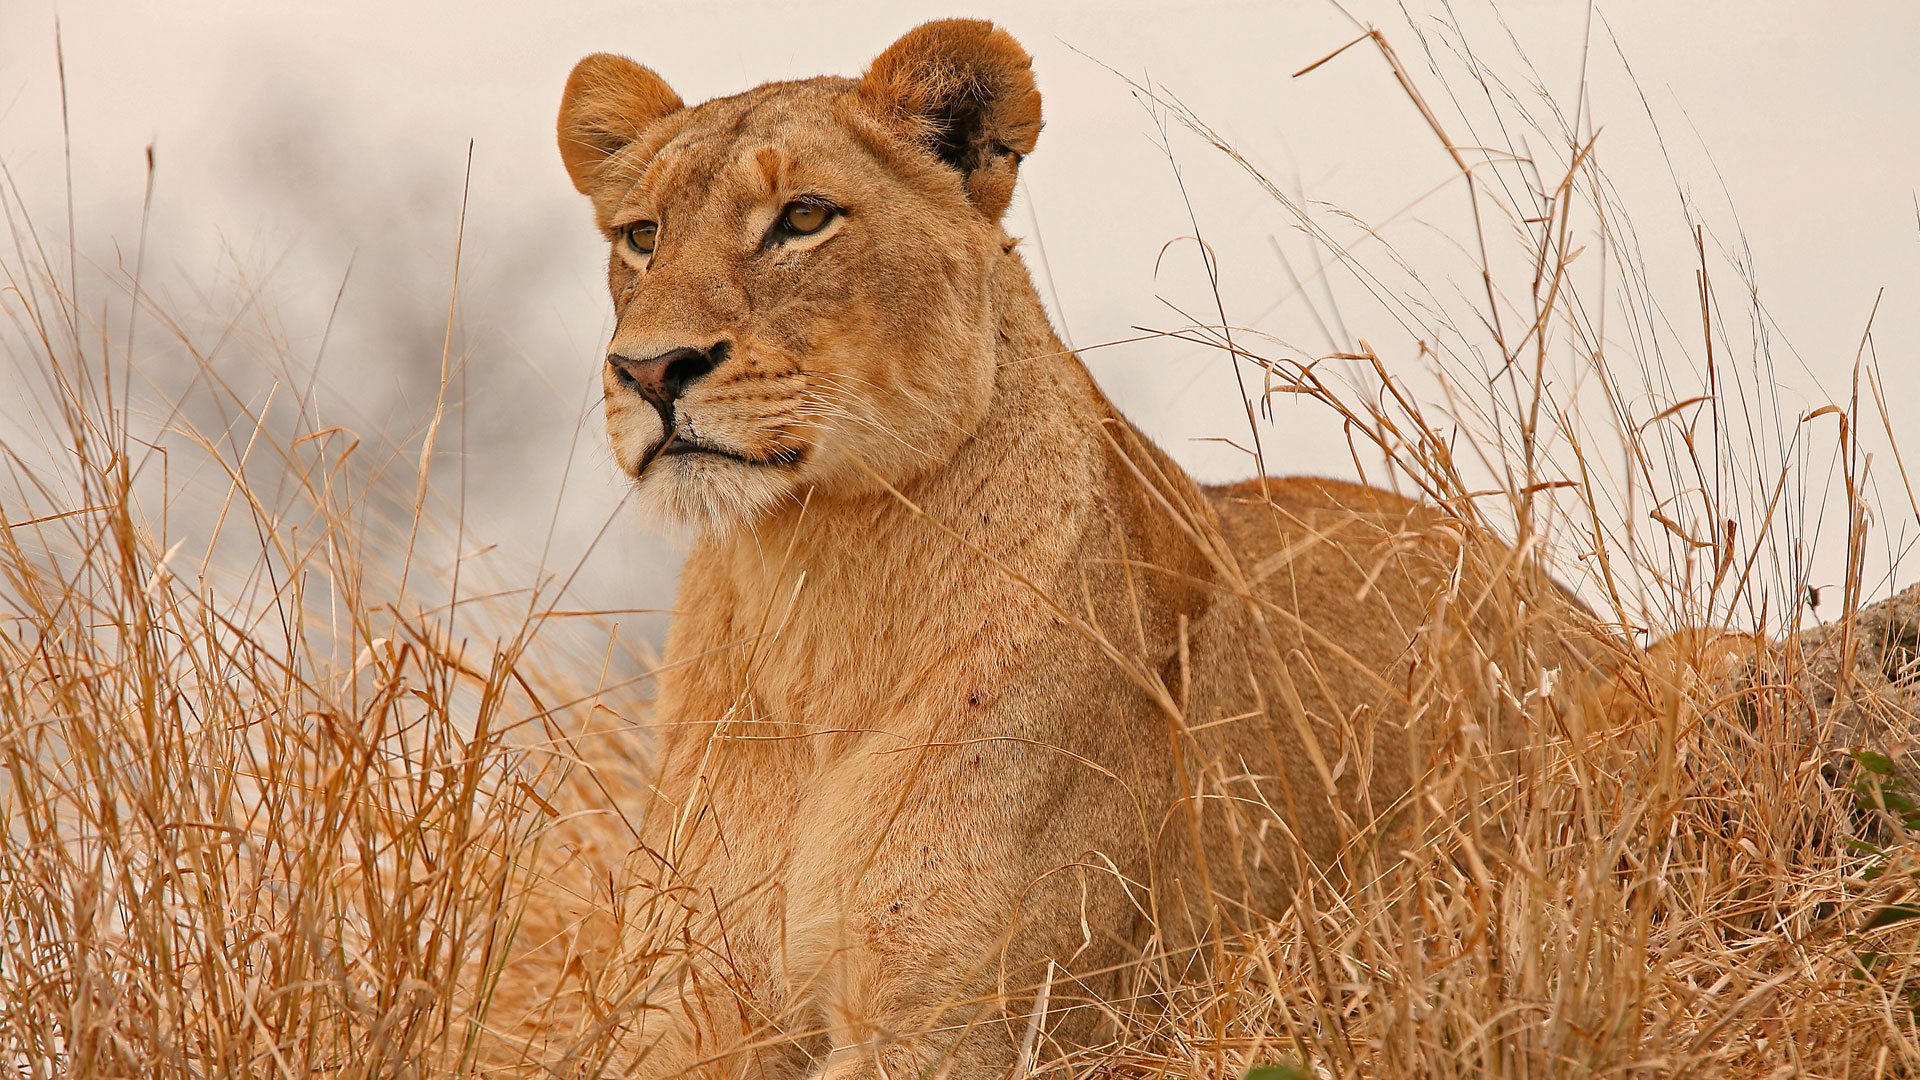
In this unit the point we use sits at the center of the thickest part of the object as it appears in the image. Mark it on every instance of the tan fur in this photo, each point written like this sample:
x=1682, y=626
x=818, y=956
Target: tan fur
x=971, y=690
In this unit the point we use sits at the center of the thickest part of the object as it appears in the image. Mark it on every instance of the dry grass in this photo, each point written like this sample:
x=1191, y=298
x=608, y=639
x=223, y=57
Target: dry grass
x=269, y=810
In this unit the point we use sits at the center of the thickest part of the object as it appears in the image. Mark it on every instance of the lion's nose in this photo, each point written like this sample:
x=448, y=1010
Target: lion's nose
x=663, y=378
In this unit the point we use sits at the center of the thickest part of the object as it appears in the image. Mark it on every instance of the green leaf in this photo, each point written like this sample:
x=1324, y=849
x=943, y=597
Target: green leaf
x=1893, y=913
x=1895, y=801
x=1864, y=962
x=1278, y=1072
x=1874, y=762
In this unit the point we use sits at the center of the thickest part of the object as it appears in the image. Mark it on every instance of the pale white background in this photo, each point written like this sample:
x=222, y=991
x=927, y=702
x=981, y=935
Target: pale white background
x=295, y=140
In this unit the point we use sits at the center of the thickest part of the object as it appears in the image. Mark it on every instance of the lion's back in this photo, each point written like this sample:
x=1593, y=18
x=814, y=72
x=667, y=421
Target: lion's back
x=1356, y=628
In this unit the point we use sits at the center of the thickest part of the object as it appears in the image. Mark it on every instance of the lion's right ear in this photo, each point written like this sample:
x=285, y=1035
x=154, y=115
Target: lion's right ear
x=608, y=102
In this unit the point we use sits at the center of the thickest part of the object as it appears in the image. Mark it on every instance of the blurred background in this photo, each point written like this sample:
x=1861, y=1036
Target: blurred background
x=309, y=163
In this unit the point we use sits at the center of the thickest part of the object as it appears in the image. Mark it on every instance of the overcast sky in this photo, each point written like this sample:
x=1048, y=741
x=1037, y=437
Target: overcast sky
x=296, y=139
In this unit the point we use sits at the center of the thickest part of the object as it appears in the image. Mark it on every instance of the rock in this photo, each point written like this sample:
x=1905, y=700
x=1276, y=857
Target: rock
x=1861, y=675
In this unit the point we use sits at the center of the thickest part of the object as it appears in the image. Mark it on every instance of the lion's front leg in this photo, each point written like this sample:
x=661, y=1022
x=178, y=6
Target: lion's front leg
x=957, y=1059
x=707, y=1036
x=940, y=891
x=696, y=989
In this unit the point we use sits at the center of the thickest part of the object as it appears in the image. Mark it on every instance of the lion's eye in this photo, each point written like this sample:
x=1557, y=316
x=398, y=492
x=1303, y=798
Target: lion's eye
x=641, y=235
x=805, y=218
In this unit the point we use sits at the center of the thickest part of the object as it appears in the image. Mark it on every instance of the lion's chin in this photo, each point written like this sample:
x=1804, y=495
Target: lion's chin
x=710, y=492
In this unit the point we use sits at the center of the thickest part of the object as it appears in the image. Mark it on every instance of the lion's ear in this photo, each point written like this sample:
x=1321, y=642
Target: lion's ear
x=608, y=102
x=964, y=89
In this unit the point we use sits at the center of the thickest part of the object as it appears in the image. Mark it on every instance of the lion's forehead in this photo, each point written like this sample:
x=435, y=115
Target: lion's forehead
x=750, y=143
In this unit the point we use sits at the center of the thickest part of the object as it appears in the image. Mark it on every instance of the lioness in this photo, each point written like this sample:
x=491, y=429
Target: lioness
x=972, y=696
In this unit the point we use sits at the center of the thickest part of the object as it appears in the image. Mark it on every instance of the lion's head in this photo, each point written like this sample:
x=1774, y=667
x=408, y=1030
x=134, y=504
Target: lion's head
x=801, y=273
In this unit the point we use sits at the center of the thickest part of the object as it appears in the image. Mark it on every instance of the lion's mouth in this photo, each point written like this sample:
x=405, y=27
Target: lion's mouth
x=679, y=445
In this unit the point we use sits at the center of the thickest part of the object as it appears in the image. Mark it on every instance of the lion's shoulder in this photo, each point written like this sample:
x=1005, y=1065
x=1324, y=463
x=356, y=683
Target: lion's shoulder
x=1308, y=494
x=1261, y=514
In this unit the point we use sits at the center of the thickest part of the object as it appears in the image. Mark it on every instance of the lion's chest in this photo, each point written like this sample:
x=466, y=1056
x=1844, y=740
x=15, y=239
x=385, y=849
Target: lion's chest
x=844, y=658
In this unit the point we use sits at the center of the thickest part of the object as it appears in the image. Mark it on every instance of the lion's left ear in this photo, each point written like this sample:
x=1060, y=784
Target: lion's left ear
x=963, y=88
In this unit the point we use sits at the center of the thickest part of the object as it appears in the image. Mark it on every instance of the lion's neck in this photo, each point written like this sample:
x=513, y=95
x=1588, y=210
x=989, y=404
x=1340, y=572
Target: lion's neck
x=960, y=567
